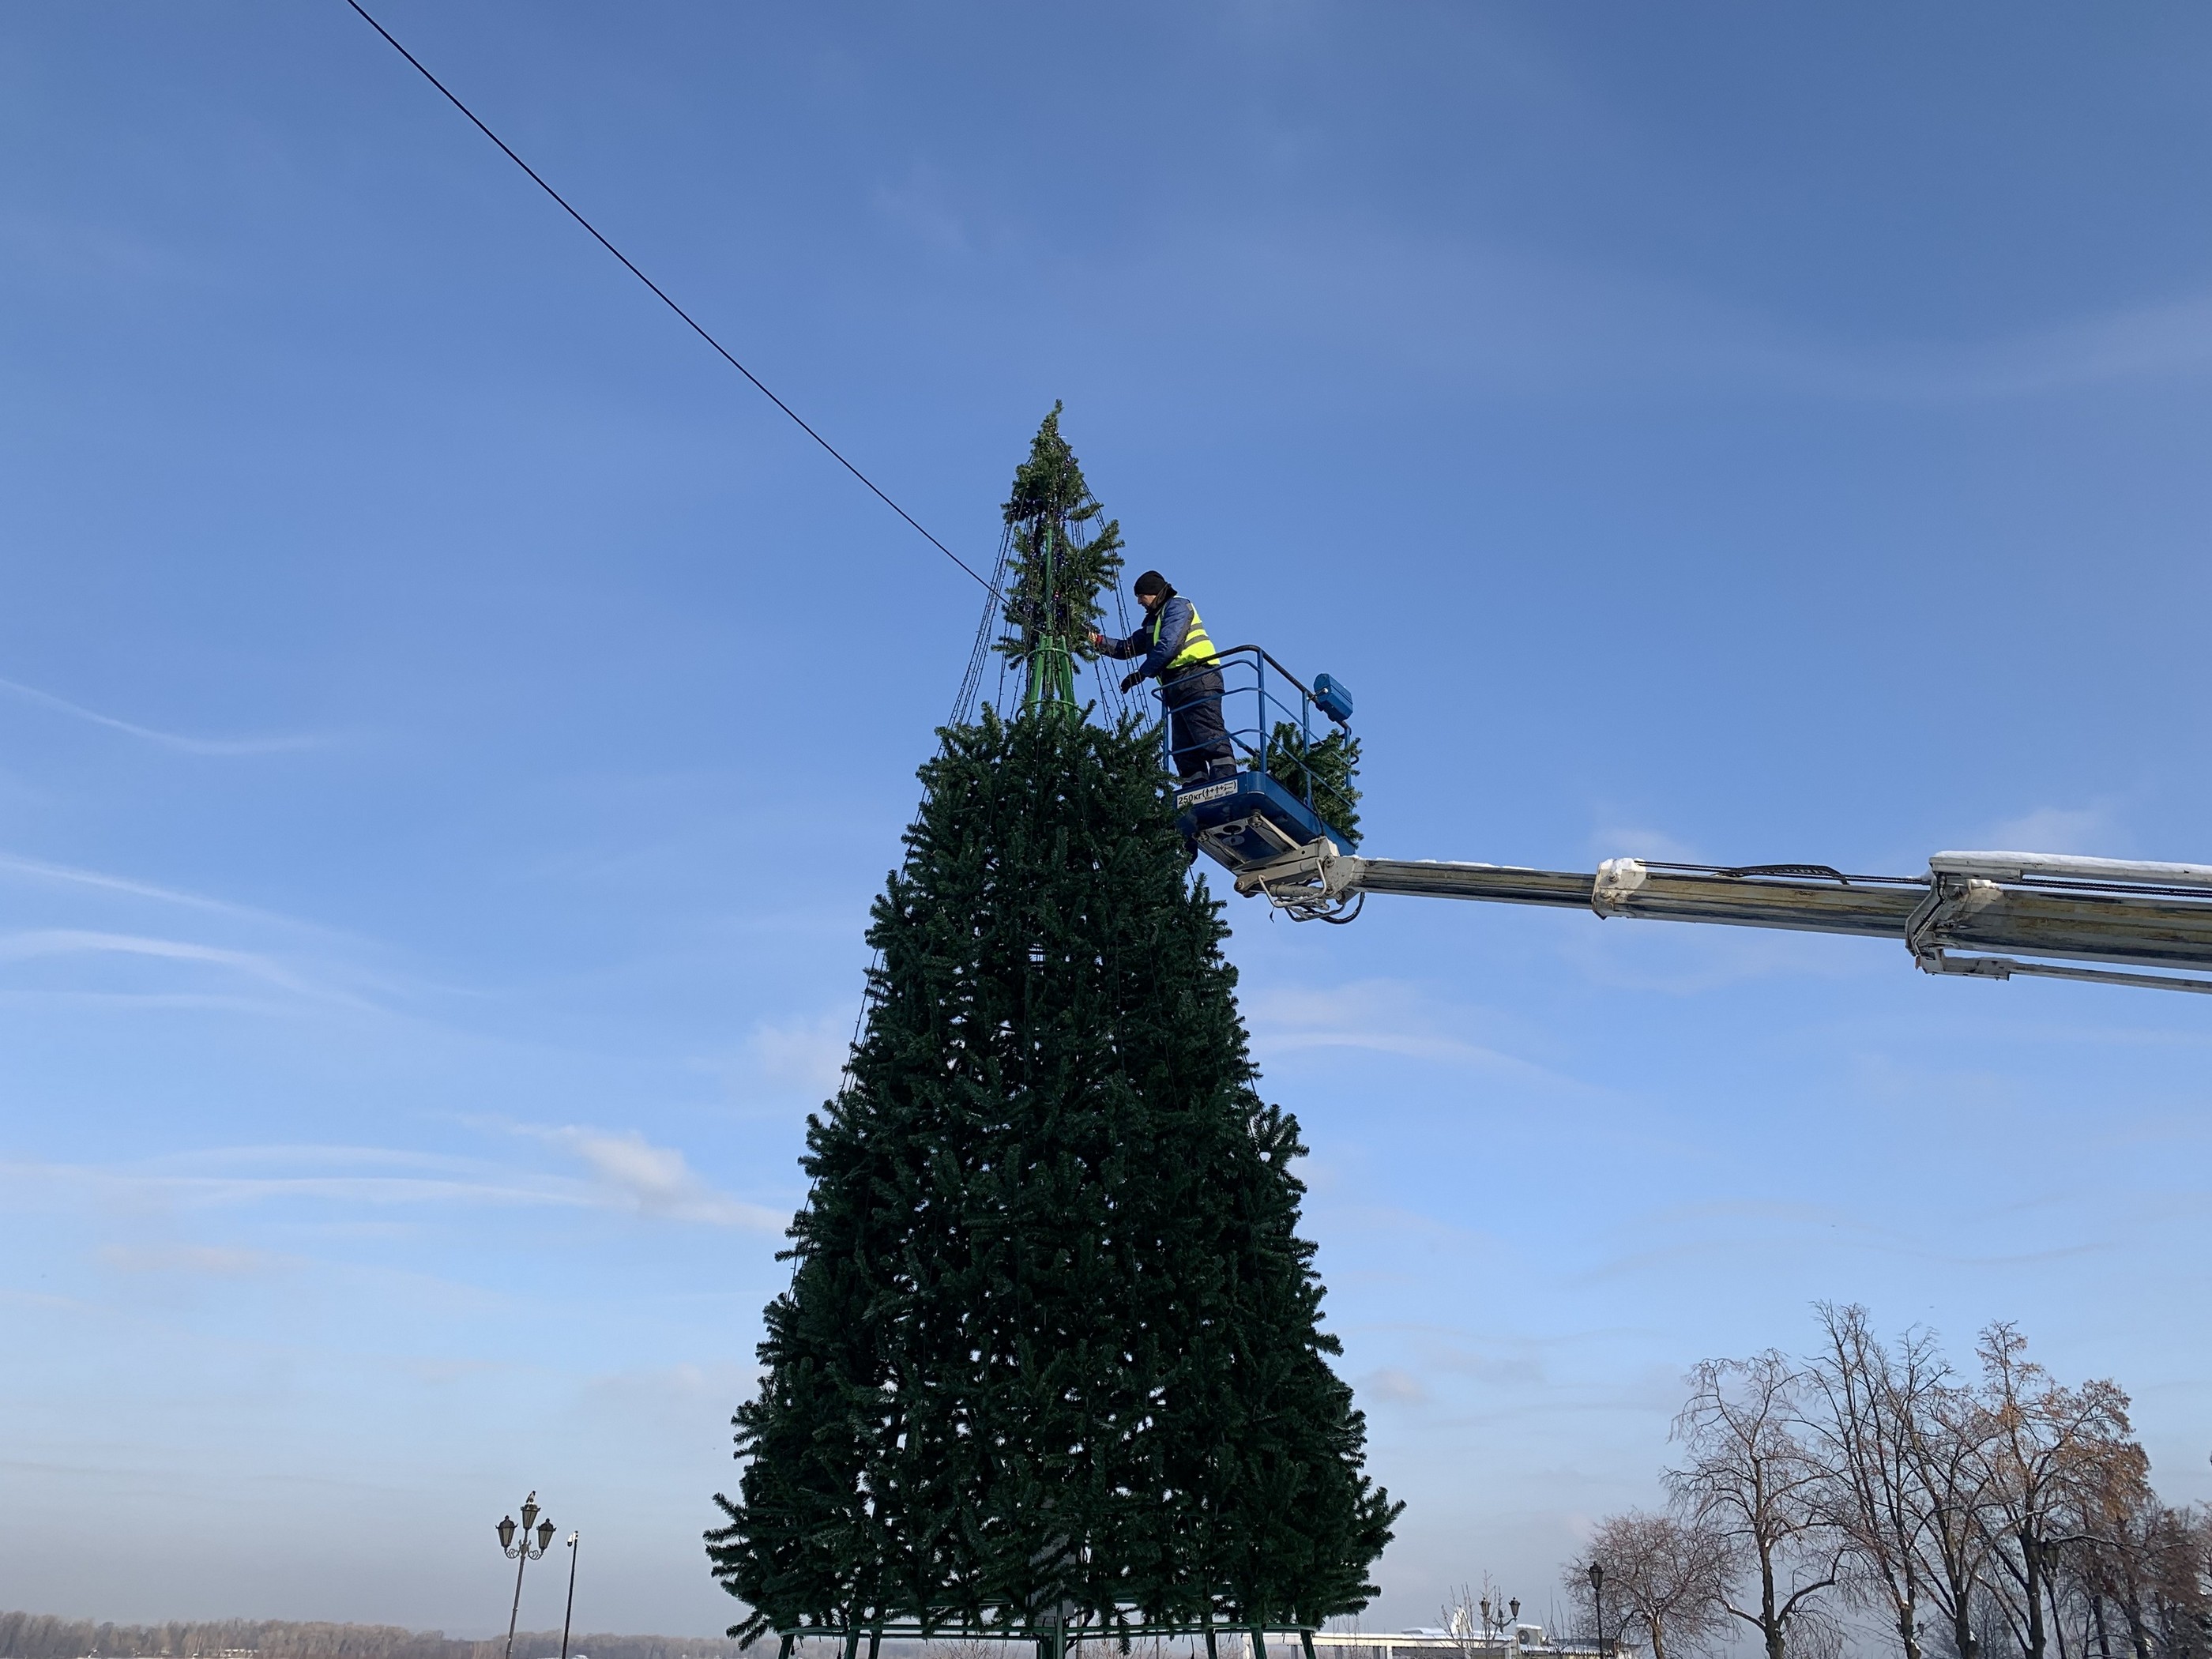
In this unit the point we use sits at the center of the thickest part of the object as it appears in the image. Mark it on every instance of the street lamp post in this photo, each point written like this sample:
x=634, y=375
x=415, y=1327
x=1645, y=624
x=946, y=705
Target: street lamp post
x=518, y=1550
x=1496, y=1610
x=1597, y=1595
x=571, y=1613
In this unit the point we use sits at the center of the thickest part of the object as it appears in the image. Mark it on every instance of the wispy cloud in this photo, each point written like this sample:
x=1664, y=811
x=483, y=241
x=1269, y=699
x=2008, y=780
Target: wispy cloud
x=161, y=1183
x=2092, y=829
x=2169, y=339
x=1640, y=954
x=1387, y=1018
x=1520, y=320
x=682, y=1385
x=75, y=251
x=260, y=961
x=807, y=1053
x=183, y=745
x=33, y=943
x=1616, y=841
x=40, y=870
x=657, y=1180
x=1399, y=1387
x=198, y=1260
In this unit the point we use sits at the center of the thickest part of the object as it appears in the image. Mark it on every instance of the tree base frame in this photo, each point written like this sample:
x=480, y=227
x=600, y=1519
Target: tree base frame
x=1052, y=1641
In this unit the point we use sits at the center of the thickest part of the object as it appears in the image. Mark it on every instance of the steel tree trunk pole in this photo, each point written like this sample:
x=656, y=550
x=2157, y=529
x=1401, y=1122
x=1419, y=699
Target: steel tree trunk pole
x=569, y=1615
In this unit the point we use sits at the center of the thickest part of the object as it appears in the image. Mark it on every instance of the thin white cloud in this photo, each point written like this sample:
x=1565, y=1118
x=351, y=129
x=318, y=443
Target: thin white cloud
x=33, y=943
x=807, y=1053
x=145, y=1001
x=75, y=251
x=41, y=870
x=2091, y=829
x=320, y=1155
x=1520, y=321
x=1400, y=1387
x=653, y=1388
x=198, y=1260
x=2161, y=340
x=1639, y=953
x=261, y=745
x=125, y=1186
x=657, y=1180
x=1383, y=1016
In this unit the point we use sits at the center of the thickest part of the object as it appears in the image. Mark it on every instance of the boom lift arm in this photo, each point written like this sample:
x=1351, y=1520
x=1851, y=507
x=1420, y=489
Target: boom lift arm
x=2037, y=904
x=1286, y=831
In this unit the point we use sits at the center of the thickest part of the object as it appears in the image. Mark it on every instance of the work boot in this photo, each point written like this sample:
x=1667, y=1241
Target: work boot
x=1220, y=771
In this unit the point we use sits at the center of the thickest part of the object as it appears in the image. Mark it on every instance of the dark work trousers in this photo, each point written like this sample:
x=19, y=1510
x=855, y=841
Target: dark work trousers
x=1195, y=732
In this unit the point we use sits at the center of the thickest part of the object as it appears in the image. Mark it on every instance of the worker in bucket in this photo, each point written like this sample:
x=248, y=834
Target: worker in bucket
x=1177, y=653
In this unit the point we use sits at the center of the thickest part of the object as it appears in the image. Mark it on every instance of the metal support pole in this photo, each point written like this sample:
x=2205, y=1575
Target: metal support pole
x=515, y=1612
x=568, y=1616
x=518, y=1545
x=1052, y=664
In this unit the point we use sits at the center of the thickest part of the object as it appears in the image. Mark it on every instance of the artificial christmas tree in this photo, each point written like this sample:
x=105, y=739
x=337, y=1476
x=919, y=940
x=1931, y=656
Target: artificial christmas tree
x=1320, y=772
x=1059, y=555
x=1050, y=1359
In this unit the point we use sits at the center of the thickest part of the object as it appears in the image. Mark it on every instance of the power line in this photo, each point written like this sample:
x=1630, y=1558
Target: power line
x=659, y=294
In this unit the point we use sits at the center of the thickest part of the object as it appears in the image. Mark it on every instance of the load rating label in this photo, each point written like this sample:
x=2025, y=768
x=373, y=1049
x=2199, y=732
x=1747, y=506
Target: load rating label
x=1211, y=792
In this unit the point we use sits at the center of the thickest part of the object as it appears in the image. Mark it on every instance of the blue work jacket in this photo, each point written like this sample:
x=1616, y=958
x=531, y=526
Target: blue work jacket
x=1174, y=624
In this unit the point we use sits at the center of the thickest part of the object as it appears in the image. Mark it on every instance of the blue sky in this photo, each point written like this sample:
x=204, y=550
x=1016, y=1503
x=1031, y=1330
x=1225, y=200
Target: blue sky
x=453, y=728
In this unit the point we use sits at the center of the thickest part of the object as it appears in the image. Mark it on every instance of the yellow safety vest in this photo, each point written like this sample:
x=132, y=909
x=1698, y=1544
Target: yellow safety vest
x=1197, y=648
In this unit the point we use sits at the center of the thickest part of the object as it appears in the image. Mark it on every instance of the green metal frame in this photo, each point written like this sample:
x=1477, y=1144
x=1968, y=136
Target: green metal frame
x=1052, y=663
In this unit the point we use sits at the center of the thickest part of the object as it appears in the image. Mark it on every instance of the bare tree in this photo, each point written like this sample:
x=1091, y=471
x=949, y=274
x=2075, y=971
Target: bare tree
x=1859, y=1431
x=1947, y=1471
x=2137, y=1576
x=2046, y=1456
x=2182, y=1577
x=1664, y=1578
x=2007, y=1515
x=1749, y=1479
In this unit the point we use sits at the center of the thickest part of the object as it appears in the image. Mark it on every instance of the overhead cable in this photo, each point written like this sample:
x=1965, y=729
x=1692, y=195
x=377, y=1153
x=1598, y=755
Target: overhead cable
x=661, y=295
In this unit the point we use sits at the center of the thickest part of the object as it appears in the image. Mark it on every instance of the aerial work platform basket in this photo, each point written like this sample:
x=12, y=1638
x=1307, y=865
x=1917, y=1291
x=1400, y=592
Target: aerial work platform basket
x=1278, y=799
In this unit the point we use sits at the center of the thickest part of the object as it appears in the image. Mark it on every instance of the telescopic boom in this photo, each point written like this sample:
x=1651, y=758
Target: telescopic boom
x=1285, y=828
x=2028, y=906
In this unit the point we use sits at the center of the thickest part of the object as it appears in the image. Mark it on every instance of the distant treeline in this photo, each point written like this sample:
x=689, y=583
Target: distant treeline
x=41, y=1635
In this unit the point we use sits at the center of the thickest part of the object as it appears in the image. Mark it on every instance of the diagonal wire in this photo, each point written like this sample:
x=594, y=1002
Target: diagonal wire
x=661, y=295
x=980, y=653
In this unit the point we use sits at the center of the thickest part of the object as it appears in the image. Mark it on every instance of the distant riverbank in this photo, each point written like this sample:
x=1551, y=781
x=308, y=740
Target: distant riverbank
x=44, y=1636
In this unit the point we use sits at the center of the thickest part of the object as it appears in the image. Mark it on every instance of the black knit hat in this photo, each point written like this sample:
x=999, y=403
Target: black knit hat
x=1152, y=582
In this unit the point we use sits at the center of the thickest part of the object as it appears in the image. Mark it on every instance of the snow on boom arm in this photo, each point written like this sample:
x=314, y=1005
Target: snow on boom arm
x=1285, y=831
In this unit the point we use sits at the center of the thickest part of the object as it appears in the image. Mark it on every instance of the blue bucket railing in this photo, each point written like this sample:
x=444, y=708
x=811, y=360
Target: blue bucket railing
x=1258, y=694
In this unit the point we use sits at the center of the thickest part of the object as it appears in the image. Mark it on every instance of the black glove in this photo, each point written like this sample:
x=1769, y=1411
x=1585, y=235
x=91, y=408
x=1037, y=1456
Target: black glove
x=1133, y=681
